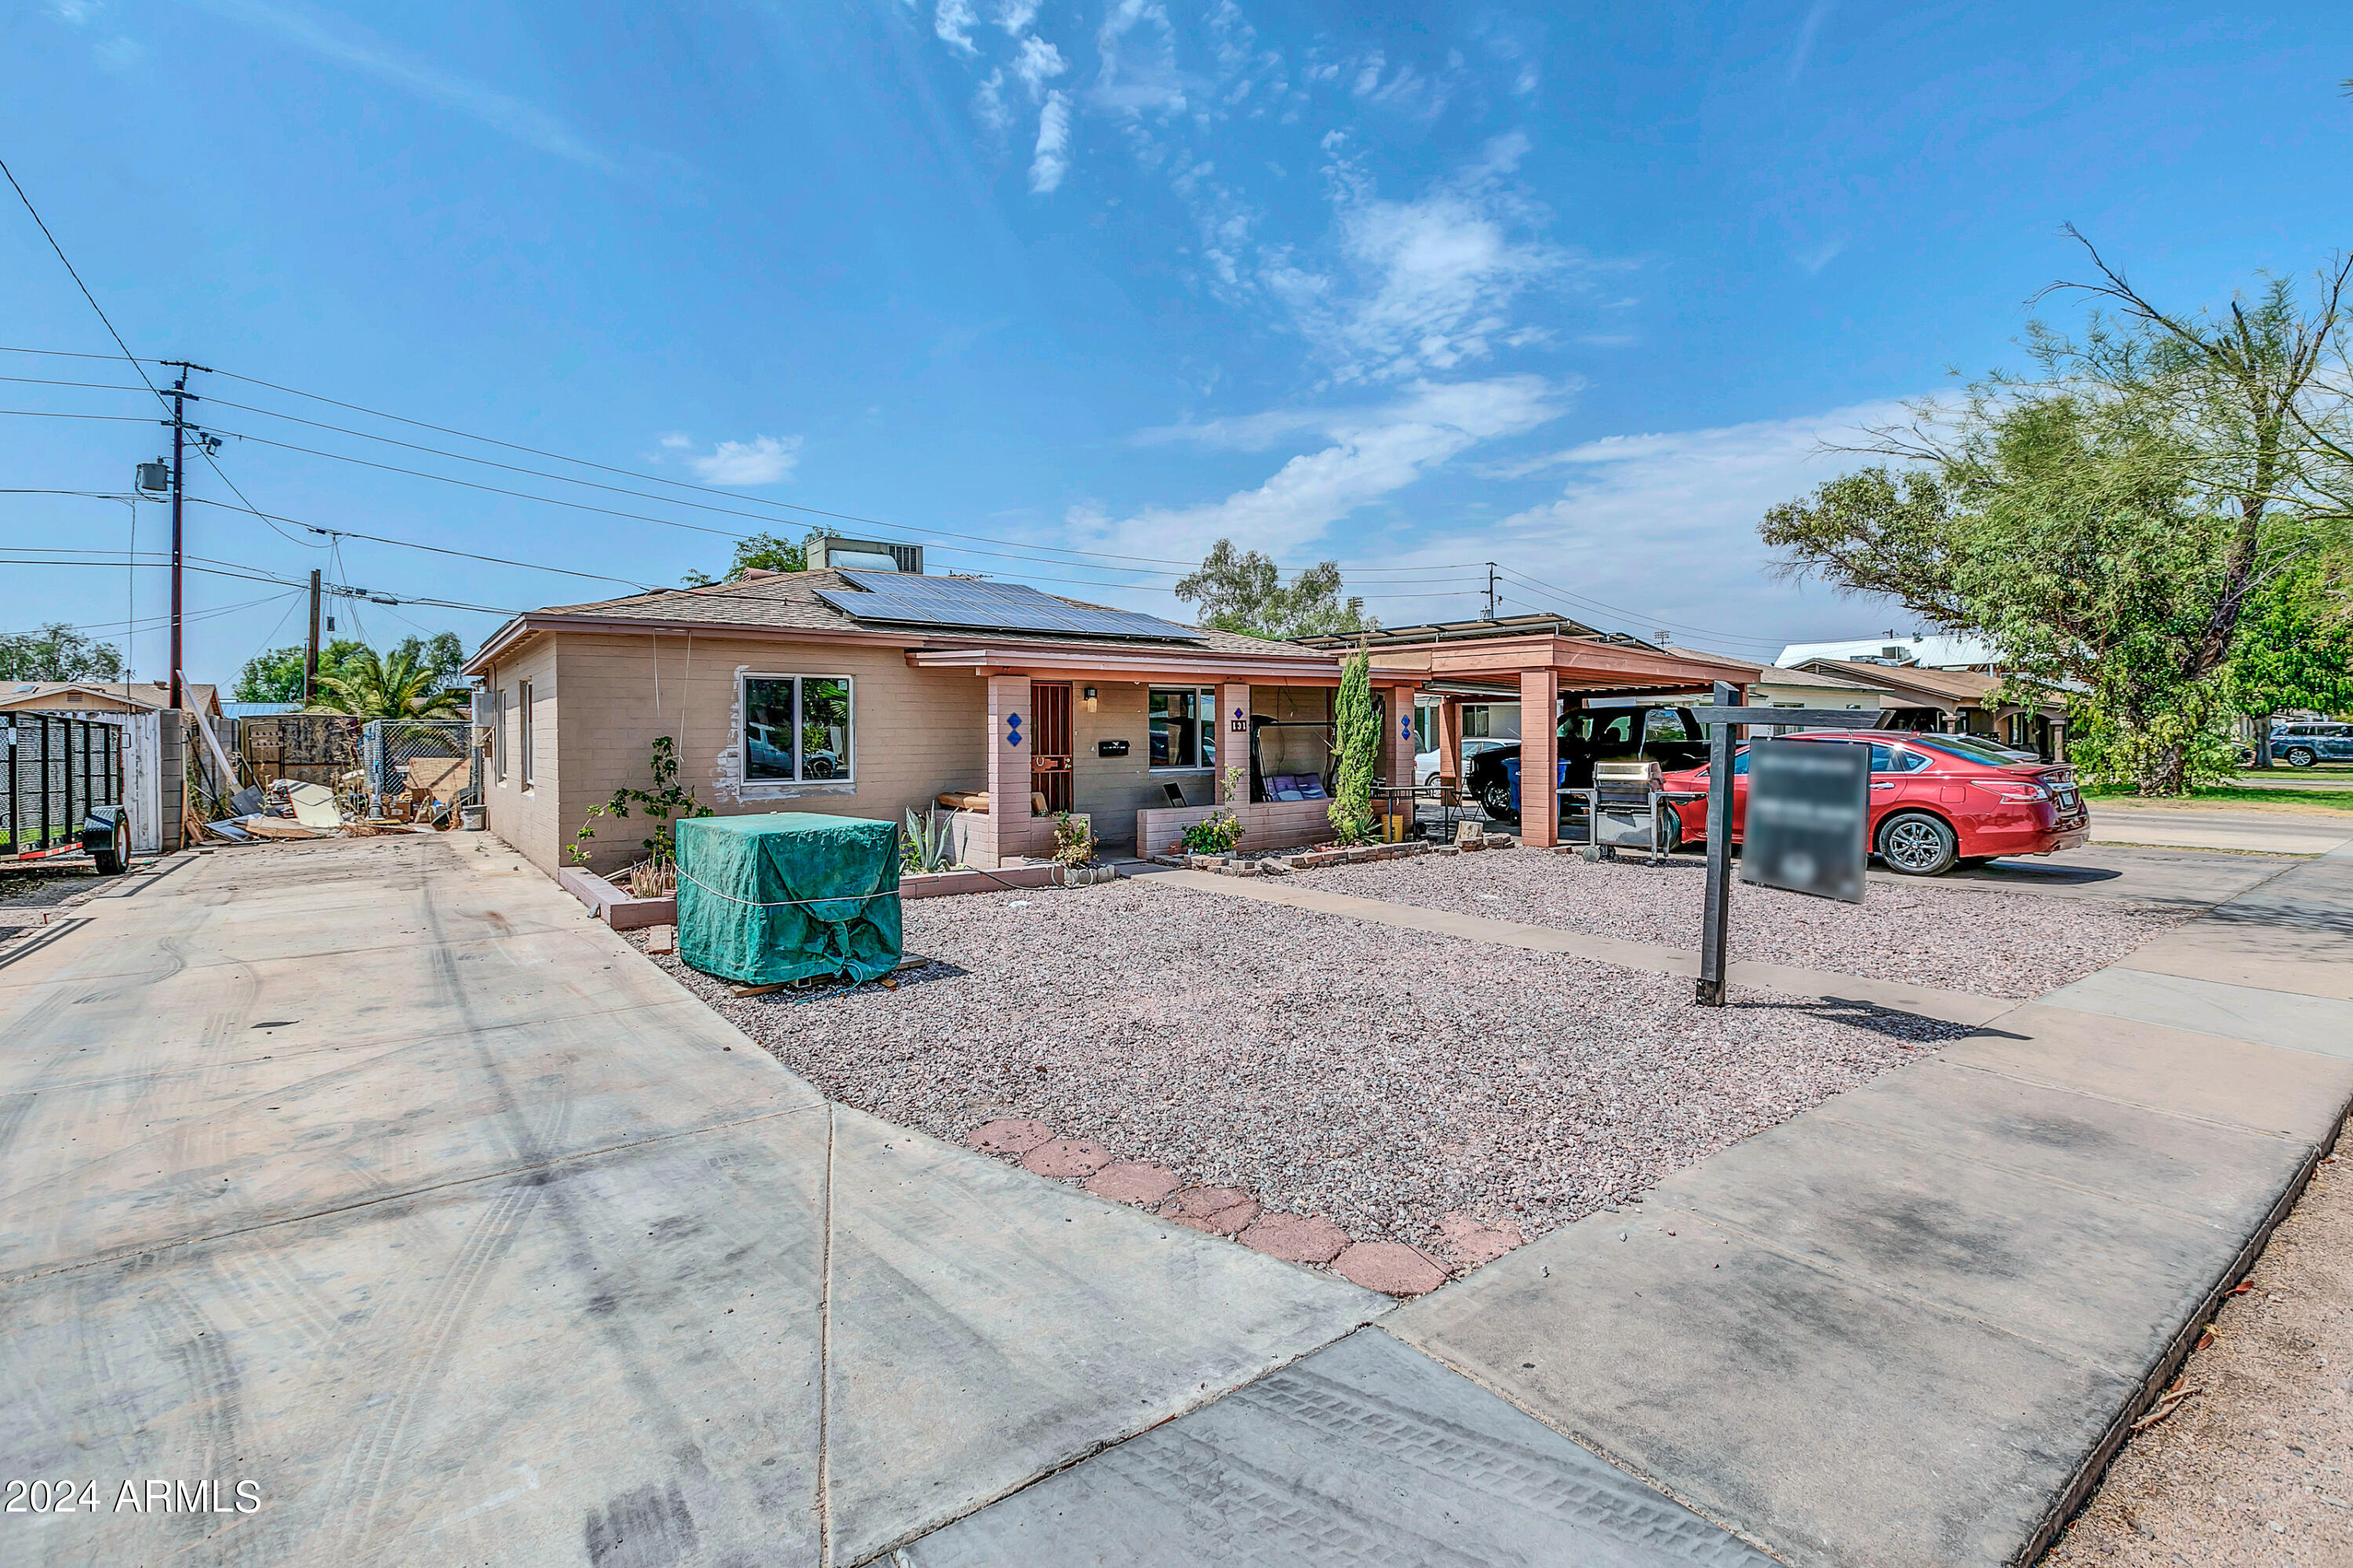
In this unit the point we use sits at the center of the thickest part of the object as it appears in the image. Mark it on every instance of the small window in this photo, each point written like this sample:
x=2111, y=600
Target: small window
x=797, y=730
x=1183, y=722
x=1888, y=760
x=523, y=726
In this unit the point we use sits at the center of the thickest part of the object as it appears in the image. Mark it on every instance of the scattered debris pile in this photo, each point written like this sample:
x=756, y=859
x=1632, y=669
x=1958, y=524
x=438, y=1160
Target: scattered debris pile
x=296, y=808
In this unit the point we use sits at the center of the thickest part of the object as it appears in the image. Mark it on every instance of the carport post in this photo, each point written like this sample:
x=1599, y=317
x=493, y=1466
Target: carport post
x=1539, y=759
x=1713, y=923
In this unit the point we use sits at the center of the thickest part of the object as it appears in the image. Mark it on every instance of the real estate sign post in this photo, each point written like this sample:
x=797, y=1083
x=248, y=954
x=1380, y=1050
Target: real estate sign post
x=1721, y=719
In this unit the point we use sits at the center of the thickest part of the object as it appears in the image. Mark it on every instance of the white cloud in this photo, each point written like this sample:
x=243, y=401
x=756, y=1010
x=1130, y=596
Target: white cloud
x=988, y=103
x=1015, y=16
x=1138, y=73
x=1051, y=160
x=1036, y=63
x=763, y=460
x=75, y=13
x=954, y=22
x=1372, y=453
x=346, y=44
x=1665, y=525
x=1433, y=278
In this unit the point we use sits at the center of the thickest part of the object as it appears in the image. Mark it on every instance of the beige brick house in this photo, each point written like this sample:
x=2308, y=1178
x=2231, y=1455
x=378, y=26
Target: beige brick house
x=866, y=694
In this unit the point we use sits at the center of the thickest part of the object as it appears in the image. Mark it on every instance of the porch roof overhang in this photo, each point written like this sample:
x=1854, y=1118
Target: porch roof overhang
x=1140, y=663
x=1582, y=664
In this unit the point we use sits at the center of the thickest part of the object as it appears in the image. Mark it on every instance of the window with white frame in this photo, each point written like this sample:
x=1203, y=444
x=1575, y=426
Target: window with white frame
x=1183, y=723
x=522, y=730
x=797, y=730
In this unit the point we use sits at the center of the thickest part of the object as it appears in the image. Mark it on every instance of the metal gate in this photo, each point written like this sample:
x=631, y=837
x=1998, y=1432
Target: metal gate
x=445, y=747
x=58, y=770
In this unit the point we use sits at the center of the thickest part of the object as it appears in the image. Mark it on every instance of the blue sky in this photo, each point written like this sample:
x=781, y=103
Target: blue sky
x=1580, y=293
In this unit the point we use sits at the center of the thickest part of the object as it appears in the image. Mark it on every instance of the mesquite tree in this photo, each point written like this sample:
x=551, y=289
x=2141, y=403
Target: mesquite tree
x=2106, y=521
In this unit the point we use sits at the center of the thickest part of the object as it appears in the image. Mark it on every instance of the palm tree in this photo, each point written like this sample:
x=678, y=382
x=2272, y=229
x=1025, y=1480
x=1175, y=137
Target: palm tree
x=403, y=686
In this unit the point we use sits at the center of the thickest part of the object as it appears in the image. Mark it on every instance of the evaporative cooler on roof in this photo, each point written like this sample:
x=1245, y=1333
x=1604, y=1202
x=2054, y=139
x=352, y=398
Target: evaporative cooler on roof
x=968, y=605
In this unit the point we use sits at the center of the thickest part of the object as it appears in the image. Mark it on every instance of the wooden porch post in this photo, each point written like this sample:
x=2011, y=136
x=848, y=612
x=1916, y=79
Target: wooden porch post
x=1449, y=740
x=1233, y=745
x=1539, y=759
x=1397, y=743
x=1006, y=830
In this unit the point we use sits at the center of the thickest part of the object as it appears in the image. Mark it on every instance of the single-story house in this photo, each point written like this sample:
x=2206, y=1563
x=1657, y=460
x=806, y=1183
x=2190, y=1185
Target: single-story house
x=105, y=697
x=1769, y=685
x=870, y=692
x=1956, y=701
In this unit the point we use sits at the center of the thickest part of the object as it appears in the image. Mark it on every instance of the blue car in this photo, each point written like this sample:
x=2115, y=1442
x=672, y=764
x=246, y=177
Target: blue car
x=2302, y=744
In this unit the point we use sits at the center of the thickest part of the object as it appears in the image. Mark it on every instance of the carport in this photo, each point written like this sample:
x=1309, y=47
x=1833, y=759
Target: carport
x=1533, y=659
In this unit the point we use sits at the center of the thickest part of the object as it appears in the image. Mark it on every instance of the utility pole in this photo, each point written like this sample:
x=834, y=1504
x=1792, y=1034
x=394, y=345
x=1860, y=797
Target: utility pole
x=1491, y=590
x=181, y=399
x=311, y=648
x=179, y=488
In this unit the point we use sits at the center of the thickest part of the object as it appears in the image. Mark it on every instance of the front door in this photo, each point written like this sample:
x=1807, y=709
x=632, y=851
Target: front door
x=1050, y=752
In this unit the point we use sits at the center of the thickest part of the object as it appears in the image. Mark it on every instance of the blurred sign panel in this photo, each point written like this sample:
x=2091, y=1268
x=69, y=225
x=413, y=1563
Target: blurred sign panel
x=1808, y=803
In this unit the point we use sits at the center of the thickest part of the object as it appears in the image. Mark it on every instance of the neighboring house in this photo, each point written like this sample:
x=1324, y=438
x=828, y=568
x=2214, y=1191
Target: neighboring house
x=869, y=693
x=1958, y=702
x=1769, y=685
x=106, y=696
x=1931, y=653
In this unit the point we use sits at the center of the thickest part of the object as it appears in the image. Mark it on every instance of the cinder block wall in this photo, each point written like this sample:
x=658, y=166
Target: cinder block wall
x=603, y=697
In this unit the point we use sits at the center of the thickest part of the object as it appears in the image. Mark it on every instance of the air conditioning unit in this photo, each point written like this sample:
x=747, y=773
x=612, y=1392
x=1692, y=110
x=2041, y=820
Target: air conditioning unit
x=486, y=705
x=832, y=551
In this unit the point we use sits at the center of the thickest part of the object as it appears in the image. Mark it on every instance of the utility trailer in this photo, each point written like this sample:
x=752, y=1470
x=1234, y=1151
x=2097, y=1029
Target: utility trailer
x=61, y=793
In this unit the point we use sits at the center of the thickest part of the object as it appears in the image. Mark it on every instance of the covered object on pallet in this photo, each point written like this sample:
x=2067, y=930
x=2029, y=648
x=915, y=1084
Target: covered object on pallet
x=790, y=896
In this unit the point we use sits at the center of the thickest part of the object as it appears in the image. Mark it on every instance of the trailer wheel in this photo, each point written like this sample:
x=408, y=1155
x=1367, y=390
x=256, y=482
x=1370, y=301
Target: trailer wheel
x=114, y=853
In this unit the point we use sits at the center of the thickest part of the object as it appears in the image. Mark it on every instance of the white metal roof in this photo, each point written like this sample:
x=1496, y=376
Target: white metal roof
x=1934, y=651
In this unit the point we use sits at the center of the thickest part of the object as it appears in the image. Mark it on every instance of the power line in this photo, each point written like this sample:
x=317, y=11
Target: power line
x=1635, y=617
x=1045, y=550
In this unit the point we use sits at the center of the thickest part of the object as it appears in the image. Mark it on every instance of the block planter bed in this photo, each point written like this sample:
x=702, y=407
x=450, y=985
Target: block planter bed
x=613, y=904
x=1307, y=1082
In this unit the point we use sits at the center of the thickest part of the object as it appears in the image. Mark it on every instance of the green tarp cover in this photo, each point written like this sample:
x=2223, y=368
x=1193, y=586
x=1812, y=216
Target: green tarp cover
x=745, y=887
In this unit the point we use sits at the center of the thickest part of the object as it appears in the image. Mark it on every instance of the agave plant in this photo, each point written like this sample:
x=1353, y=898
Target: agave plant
x=930, y=843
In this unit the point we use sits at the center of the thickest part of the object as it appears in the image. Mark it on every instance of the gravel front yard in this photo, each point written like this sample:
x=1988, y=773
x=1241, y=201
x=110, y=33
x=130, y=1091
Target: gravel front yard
x=1410, y=1089
x=1953, y=936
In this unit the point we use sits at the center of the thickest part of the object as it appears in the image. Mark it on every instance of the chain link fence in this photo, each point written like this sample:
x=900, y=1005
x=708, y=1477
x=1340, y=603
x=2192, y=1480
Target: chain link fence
x=433, y=755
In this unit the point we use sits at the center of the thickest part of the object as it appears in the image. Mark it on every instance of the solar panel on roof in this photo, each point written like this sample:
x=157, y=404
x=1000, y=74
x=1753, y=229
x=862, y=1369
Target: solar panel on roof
x=968, y=605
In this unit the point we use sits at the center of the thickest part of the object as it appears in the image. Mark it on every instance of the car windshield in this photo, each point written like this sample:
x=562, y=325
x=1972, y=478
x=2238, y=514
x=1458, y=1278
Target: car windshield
x=1967, y=747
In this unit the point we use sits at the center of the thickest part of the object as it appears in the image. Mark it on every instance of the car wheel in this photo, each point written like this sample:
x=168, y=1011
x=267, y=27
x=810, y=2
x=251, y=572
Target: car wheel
x=1917, y=844
x=1430, y=781
x=1495, y=800
x=820, y=768
x=2299, y=756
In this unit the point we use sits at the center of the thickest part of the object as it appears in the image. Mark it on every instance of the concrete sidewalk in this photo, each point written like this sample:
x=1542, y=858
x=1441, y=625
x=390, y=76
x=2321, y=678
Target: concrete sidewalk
x=2254, y=830
x=376, y=1175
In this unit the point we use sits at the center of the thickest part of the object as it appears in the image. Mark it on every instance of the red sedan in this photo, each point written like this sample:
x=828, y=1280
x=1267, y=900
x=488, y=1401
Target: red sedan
x=1937, y=800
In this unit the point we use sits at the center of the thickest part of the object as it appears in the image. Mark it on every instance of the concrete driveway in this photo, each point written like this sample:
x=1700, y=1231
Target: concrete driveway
x=366, y=1202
